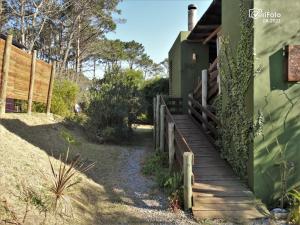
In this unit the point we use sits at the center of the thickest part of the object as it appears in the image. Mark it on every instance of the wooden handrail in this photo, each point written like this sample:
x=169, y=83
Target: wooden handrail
x=179, y=140
x=208, y=113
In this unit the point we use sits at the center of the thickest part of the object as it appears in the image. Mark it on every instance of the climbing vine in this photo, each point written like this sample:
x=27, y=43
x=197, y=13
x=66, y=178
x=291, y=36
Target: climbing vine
x=236, y=73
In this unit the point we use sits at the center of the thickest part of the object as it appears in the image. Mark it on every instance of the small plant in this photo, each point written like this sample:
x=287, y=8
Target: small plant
x=55, y=196
x=174, y=188
x=65, y=178
x=171, y=183
x=294, y=215
x=154, y=163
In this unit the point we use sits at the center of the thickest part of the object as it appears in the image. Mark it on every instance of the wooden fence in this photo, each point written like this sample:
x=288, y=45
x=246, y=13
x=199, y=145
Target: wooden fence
x=23, y=76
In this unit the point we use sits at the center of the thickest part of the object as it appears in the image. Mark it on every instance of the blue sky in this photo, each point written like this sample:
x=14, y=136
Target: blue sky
x=155, y=23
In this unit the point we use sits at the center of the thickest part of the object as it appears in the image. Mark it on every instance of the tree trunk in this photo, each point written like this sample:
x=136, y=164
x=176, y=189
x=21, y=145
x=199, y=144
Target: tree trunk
x=23, y=38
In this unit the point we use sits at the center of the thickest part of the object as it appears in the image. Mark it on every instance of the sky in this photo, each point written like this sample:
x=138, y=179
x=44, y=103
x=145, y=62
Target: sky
x=155, y=23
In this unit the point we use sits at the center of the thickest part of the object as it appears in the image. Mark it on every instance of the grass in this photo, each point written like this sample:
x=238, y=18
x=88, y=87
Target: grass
x=26, y=144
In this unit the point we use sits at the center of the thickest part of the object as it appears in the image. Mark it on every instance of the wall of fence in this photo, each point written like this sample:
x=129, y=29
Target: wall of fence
x=23, y=76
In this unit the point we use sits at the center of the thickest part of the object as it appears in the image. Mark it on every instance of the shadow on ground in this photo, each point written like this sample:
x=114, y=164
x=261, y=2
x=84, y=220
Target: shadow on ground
x=115, y=181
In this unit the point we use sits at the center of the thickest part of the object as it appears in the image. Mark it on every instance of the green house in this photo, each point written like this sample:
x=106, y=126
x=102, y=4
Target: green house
x=272, y=97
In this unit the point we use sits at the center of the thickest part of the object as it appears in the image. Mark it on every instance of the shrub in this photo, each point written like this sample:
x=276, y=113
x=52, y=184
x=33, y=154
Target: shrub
x=171, y=182
x=151, y=88
x=115, y=103
x=64, y=97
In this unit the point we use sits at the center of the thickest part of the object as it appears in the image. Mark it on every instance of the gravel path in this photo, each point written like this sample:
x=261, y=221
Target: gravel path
x=147, y=201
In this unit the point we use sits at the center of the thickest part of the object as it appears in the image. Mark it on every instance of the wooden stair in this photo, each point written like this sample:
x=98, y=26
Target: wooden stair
x=217, y=192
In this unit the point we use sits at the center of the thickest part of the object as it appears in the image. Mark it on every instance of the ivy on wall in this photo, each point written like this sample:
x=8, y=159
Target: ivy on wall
x=236, y=73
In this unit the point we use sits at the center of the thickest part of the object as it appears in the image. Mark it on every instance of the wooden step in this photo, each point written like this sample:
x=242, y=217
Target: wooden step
x=217, y=191
x=238, y=216
x=221, y=200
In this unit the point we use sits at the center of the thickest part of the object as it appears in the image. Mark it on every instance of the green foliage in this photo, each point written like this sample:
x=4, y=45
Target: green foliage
x=171, y=182
x=64, y=97
x=154, y=163
x=151, y=88
x=115, y=103
x=236, y=72
x=294, y=215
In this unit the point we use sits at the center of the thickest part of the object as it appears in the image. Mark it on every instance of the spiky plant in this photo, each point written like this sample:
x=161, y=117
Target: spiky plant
x=294, y=215
x=64, y=177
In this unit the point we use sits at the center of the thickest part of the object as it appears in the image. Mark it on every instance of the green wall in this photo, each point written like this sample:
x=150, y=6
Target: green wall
x=175, y=63
x=230, y=21
x=275, y=100
x=185, y=72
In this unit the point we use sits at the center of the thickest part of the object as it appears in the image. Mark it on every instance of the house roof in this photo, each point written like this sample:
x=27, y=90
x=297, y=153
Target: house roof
x=208, y=23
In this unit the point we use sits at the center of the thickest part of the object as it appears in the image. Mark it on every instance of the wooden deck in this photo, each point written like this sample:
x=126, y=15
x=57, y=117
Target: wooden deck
x=217, y=192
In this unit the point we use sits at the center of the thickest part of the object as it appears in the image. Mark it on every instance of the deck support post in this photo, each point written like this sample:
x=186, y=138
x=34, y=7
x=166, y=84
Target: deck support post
x=187, y=178
x=157, y=121
x=171, y=139
x=162, y=128
x=189, y=103
x=154, y=121
x=204, y=96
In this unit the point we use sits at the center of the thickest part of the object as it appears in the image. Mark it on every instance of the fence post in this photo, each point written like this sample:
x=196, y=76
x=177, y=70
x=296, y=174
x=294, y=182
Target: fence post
x=204, y=95
x=162, y=128
x=157, y=121
x=31, y=85
x=171, y=139
x=187, y=178
x=154, y=121
x=51, y=87
x=5, y=70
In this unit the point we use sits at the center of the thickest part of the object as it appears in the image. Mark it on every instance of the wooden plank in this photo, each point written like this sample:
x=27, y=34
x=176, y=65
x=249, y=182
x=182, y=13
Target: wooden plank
x=231, y=215
x=209, y=114
x=202, y=178
x=209, y=193
x=212, y=34
x=213, y=66
x=213, y=76
x=235, y=206
x=211, y=188
x=199, y=116
x=221, y=200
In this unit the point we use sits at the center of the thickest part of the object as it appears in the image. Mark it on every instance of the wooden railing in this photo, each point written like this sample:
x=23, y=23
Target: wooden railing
x=201, y=99
x=168, y=137
x=212, y=86
x=180, y=144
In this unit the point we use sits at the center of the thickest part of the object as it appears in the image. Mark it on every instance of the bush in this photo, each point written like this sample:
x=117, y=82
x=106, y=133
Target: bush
x=171, y=182
x=115, y=103
x=150, y=89
x=64, y=97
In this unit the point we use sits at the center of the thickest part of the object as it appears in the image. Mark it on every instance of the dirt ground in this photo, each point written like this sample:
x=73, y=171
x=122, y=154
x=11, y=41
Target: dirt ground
x=113, y=192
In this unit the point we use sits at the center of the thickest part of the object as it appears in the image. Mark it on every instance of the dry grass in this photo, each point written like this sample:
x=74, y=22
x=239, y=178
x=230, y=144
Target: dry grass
x=26, y=142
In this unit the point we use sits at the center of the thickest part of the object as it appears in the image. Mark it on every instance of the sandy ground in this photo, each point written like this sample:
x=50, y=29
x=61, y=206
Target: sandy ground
x=113, y=192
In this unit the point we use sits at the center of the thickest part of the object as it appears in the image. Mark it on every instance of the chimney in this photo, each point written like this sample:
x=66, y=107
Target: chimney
x=192, y=16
